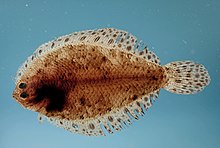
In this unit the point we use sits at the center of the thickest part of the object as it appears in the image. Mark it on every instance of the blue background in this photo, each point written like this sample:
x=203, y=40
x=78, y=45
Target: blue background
x=173, y=29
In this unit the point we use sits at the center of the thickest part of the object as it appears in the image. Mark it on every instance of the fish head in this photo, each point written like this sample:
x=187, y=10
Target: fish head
x=28, y=93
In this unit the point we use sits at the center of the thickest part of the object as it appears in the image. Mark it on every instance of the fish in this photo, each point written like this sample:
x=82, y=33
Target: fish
x=96, y=82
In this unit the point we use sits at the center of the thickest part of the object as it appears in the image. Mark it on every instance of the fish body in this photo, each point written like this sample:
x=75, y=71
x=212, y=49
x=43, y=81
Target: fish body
x=96, y=78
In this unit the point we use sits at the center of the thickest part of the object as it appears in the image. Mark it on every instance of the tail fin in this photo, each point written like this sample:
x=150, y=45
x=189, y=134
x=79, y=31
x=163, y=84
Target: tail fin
x=186, y=77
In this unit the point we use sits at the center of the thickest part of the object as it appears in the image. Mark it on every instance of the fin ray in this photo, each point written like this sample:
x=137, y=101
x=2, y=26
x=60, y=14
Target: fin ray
x=186, y=77
x=115, y=119
x=106, y=37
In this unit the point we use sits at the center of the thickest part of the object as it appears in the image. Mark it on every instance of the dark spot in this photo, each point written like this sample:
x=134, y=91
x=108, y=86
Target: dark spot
x=138, y=104
x=110, y=41
x=86, y=67
x=154, y=78
x=126, y=110
x=93, y=49
x=81, y=117
x=104, y=59
x=82, y=38
x=119, y=120
x=40, y=51
x=97, y=39
x=129, y=48
x=109, y=109
x=24, y=95
x=178, y=70
x=134, y=97
x=146, y=99
x=197, y=75
x=82, y=101
x=137, y=110
x=22, y=85
x=52, y=45
x=55, y=96
x=149, y=57
x=187, y=91
x=61, y=122
x=141, y=53
x=178, y=81
x=199, y=84
x=25, y=65
x=110, y=118
x=74, y=125
x=191, y=90
x=91, y=126
x=184, y=87
x=188, y=75
x=32, y=57
x=129, y=55
x=66, y=40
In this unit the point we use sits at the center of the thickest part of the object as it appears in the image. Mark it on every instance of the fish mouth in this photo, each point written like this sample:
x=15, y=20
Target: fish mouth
x=16, y=95
x=25, y=100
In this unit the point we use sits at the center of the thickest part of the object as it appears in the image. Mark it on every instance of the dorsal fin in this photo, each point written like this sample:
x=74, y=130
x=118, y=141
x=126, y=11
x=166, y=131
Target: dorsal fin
x=115, y=120
x=149, y=55
x=106, y=37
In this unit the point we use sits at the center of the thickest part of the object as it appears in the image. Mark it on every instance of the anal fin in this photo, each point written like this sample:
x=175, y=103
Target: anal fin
x=115, y=120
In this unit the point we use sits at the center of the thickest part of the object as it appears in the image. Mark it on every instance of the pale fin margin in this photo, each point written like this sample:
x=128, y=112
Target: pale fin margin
x=115, y=120
x=186, y=77
x=106, y=37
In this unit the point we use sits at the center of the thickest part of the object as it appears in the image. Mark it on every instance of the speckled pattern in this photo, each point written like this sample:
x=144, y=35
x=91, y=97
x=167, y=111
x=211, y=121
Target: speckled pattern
x=95, y=80
x=174, y=30
x=95, y=76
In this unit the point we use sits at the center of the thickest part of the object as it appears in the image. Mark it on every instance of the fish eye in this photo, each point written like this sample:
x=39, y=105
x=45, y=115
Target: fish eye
x=24, y=95
x=22, y=85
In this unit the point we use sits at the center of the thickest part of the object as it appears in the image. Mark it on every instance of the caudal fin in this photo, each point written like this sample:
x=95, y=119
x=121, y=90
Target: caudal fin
x=186, y=77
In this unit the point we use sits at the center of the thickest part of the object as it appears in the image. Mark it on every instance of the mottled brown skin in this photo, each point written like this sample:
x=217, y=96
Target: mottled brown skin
x=84, y=81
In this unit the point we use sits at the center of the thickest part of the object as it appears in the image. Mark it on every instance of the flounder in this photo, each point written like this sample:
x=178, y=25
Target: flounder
x=94, y=82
